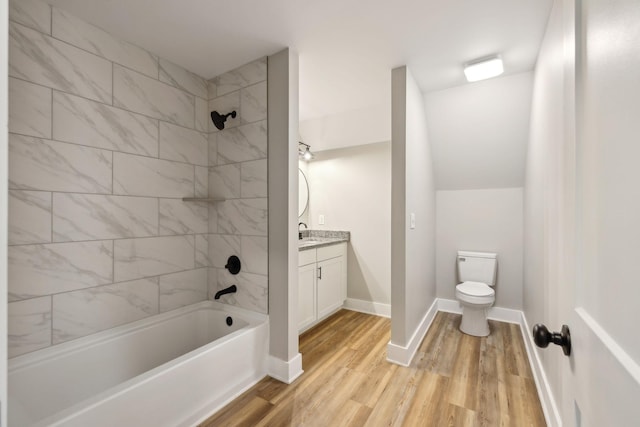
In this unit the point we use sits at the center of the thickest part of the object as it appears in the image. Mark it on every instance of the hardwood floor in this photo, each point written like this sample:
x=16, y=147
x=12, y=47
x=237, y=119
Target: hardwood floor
x=454, y=380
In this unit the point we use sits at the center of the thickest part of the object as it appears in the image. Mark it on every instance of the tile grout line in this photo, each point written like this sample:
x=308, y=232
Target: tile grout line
x=114, y=61
x=50, y=35
x=118, y=107
x=127, y=153
x=122, y=282
x=105, y=239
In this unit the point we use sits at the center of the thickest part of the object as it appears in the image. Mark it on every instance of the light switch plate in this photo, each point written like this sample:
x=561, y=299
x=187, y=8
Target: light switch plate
x=412, y=220
x=321, y=219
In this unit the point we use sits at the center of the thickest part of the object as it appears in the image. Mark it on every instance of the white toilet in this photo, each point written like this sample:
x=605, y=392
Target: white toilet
x=477, y=272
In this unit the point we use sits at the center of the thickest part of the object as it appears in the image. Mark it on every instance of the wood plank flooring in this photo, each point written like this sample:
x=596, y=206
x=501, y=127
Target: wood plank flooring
x=454, y=380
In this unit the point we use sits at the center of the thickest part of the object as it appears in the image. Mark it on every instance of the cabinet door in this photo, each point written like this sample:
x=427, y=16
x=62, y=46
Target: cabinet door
x=306, y=295
x=330, y=289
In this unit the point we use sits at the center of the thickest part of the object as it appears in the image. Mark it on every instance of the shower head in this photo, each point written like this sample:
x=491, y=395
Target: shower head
x=219, y=119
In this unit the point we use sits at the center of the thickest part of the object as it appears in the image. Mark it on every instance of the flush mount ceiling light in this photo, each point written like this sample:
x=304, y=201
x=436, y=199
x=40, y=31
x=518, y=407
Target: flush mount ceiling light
x=306, y=153
x=483, y=68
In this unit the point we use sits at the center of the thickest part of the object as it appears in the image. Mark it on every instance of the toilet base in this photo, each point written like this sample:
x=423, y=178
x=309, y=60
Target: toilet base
x=474, y=321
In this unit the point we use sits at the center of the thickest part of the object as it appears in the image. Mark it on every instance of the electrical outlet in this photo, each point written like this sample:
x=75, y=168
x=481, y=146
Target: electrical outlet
x=321, y=219
x=412, y=220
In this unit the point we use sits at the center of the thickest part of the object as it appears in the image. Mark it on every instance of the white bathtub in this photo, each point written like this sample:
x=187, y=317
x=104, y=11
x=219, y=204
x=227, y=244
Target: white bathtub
x=170, y=370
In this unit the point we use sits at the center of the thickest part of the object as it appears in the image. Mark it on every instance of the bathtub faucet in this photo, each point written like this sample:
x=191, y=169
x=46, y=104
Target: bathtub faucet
x=230, y=290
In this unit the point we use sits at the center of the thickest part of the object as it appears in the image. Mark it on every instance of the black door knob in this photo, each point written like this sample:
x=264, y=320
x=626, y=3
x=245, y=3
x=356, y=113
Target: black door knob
x=542, y=337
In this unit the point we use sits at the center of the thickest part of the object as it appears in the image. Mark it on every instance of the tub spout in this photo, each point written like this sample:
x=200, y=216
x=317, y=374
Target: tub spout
x=230, y=290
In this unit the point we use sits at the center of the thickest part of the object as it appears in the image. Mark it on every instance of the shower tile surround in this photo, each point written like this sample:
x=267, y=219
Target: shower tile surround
x=238, y=173
x=105, y=139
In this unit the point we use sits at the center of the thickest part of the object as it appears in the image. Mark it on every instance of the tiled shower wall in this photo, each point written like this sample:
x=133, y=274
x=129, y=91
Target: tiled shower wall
x=105, y=139
x=238, y=174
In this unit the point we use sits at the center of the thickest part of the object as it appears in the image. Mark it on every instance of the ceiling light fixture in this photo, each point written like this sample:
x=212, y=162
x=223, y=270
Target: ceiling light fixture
x=483, y=68
x=306, y=153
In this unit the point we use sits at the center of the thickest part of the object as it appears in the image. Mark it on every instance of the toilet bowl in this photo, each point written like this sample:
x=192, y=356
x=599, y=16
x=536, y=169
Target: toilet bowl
x=475, y=298
x=477, y=272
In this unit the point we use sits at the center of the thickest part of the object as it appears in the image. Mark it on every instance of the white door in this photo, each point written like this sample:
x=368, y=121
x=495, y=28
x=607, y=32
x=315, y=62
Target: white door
x=600, y=207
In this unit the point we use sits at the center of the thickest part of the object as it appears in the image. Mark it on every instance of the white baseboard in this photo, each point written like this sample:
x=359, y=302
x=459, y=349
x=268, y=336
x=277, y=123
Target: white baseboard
x=500, y=314
x=506, y=315
x=369, y=307
x=285, y=371
x=402, y=355
x=548, y=402
x=449, y=305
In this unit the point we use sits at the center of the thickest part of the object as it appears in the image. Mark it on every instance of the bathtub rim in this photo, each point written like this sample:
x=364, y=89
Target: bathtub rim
x=253, y=319
x=24, y=361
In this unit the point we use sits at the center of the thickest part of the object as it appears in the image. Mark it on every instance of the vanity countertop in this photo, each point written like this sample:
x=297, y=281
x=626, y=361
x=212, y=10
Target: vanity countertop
x=312, y=239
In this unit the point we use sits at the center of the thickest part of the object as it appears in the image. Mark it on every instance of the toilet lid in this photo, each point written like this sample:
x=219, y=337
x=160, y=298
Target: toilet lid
x=475, y=289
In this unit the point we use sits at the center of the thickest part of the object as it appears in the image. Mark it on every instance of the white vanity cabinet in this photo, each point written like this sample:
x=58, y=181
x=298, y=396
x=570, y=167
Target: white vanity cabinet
x=322, y=283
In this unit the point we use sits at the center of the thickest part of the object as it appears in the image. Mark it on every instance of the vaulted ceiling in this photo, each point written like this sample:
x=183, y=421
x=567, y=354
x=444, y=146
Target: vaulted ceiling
x=347, y=50
x=347, y=47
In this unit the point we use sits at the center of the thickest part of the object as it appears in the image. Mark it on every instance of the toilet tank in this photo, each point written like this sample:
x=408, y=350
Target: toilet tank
x=477, y=267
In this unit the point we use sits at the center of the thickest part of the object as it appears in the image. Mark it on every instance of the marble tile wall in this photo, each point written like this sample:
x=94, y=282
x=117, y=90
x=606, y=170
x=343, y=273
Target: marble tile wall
x=105, y=139
x=238, y=173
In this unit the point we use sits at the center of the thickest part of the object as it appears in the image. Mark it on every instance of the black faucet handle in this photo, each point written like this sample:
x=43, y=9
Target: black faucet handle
x=233, y=264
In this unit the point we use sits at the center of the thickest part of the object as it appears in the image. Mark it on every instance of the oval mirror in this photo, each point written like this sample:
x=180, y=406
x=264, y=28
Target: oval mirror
x=303, y=193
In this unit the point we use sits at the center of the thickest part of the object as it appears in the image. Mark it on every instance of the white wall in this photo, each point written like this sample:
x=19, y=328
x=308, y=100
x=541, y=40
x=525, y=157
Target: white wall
x=479, y=133
x=351, y=187
x=540, y=291
x=483, y=221
x=347, y=129
x=285, y=363
x=413, y=287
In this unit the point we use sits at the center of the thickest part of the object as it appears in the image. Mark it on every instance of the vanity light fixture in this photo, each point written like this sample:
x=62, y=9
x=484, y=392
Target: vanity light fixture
x=306, y=153
x=483, y=68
